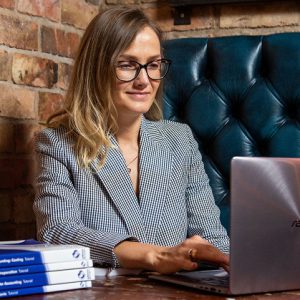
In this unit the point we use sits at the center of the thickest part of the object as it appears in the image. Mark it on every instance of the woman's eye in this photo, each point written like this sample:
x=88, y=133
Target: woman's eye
x=126, y=66
x=154, y=65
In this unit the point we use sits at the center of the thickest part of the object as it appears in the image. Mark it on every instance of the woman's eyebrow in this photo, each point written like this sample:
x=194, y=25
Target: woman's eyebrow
x=134, y=58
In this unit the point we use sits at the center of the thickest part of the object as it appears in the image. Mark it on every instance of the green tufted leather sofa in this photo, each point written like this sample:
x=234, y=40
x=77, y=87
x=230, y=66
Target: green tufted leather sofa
x=241, y=97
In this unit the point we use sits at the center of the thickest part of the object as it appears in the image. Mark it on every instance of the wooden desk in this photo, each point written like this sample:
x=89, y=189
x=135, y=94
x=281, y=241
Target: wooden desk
x=136, y=288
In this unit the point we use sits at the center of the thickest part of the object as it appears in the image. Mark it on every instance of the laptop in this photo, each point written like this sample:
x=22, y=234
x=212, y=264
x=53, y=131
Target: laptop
x=264, y=231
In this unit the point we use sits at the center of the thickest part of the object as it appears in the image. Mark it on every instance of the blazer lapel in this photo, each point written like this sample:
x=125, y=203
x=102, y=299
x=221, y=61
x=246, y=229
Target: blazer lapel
x=155, y=168
x=116, y=180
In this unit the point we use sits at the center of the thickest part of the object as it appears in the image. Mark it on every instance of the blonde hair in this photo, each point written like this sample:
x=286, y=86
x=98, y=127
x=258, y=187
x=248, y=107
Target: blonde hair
x=89, y=112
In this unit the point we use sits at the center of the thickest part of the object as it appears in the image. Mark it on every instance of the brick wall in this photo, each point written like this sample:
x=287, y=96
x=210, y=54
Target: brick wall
x=38, y=41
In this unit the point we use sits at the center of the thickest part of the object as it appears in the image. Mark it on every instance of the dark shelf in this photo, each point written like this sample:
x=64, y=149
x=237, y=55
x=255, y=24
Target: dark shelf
x=182, y=8
x=175, y=3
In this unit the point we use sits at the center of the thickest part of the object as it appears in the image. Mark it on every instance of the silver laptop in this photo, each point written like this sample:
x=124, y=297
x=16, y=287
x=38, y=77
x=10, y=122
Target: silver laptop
x=264, y=231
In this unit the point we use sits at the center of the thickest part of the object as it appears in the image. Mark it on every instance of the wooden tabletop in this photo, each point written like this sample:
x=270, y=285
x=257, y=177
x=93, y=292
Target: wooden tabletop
x=138, y=287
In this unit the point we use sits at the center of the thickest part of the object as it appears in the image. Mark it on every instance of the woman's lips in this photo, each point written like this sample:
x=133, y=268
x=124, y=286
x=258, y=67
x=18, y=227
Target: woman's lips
x=139, y=95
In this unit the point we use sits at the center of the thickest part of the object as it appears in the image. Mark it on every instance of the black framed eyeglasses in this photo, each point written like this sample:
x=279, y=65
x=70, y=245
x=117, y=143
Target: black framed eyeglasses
x=129, y=70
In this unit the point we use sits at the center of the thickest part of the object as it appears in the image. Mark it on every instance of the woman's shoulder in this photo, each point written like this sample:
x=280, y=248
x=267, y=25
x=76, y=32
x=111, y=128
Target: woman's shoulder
x=172, y=132
x=53, y=136
x=170, y=127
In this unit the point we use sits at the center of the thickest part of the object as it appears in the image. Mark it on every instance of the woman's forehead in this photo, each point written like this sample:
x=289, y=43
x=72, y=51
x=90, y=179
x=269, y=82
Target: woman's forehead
x=146, y=42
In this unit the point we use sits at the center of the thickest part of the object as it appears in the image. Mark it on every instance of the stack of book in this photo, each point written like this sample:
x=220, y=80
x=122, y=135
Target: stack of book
x=29, y=267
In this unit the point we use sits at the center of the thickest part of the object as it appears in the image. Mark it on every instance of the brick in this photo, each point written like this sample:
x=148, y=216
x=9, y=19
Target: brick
x=201, y=18
x=49, y=103
x=7, y=4
x=21, y=34
x=16, y=172
x=5, y=65
x=64, y=76
x=22, y=206
x=6, y=207
x=6, y=138
x=59, y=42
x=24, y=137
x=163, y=17
x=16, y=103
x=49, y=9
x=77, y=13
x=260, y=15
x=34, y=71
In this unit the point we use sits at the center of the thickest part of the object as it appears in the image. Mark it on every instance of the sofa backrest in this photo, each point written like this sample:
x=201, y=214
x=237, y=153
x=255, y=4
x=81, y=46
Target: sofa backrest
x=241, y=97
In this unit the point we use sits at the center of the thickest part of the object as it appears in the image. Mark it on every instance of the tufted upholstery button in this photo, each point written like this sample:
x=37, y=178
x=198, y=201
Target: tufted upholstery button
x=240, y=95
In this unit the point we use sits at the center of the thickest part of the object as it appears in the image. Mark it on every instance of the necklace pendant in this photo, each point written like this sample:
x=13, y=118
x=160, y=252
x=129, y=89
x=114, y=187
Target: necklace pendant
x=129, y=170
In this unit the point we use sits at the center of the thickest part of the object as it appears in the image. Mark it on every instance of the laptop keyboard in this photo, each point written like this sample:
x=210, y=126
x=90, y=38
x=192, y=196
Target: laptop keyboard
x=222, y=281
x=219, y=281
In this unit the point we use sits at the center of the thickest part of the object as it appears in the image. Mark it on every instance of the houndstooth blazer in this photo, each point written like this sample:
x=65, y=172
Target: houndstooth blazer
x=98, y=208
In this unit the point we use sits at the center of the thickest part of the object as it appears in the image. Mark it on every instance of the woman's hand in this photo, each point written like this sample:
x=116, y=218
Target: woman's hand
x=186, y=255
x=166, y=260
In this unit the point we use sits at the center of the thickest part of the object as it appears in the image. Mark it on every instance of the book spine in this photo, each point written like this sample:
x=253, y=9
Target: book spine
x=39, y=257
x=46, y=278
x=29, y=269
x=45, y=289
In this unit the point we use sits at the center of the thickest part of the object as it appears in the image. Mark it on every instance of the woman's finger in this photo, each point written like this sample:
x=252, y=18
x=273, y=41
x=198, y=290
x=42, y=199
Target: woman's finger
x=209, y=253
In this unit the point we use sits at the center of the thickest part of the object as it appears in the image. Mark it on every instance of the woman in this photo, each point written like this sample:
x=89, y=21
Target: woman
x=111, y=175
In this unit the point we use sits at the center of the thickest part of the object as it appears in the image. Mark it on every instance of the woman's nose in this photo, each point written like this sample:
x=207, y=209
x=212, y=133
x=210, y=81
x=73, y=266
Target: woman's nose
x=142, y=77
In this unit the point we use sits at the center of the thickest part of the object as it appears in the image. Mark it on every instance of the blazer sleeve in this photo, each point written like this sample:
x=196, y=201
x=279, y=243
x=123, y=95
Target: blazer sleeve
x=203, y=213
x=57, y=205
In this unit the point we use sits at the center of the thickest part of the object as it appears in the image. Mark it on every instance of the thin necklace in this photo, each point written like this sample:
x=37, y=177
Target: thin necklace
x=129, y=169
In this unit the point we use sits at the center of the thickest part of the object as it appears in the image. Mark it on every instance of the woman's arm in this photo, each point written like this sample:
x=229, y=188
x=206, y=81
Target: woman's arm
x=59, y=213
x=169, y=259
x=203, y=213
